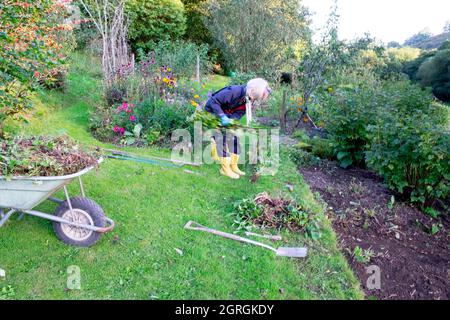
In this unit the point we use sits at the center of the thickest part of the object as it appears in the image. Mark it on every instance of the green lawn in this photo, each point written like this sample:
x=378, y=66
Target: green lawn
x=150, y=205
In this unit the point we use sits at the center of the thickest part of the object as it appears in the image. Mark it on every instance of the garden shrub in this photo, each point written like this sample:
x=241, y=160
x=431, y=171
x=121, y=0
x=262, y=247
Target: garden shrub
x=85, y=32
x=410, y=144
x=34, y=42
x=394, y=127
x=147, y=122
x=155, y=20
x=349, y=109
x=147, y=103
x=435, y=72
x=239, y=78
x=302, y=158
x=100, y=123
x=322, y=148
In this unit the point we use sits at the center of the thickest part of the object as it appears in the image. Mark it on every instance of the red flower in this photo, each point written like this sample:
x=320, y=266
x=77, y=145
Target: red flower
x=133, y=118
x=37, y=74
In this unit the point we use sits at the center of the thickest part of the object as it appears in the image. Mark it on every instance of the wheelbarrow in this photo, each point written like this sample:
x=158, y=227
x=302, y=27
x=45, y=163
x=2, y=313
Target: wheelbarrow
x=77, y=221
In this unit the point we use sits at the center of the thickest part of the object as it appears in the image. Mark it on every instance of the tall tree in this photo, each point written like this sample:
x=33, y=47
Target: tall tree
x=256, y=35
x=154, y=20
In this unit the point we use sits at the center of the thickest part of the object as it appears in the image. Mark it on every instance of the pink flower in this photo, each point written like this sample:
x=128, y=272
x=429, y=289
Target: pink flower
x=123, y=107
x=118, y=129
x=133, y=118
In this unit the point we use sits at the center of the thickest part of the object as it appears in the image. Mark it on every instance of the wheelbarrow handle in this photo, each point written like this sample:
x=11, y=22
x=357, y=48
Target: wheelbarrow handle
x=109, y=228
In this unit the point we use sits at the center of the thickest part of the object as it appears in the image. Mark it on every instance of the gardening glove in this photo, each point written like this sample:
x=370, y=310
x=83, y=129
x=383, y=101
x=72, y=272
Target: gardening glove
x=225, y=121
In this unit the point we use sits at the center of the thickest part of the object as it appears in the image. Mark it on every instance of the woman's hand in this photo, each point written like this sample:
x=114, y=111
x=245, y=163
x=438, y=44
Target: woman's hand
x=225, y=121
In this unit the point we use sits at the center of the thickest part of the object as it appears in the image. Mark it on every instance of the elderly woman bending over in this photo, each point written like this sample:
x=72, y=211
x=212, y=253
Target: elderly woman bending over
x=229, y=104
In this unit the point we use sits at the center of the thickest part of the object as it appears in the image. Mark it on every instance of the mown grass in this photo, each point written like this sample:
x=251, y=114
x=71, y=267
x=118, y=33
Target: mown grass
x=150, y=205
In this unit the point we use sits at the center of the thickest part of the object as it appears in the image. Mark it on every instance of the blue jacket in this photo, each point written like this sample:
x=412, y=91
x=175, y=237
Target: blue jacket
x=229, y=101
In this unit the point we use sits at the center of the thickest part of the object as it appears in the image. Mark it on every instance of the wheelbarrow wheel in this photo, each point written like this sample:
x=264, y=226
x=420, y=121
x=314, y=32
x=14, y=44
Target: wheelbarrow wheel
x=84, y=211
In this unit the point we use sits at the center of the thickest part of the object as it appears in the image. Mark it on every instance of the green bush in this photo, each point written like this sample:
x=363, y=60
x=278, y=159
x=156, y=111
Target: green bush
x=303, y=158
x=349, y=109
x=322, y=148
x=435, y=72
x=410, y=144
x=34, y=44
x=242, y=77
x=155, y=20
x=147, y=122
x=100, y=123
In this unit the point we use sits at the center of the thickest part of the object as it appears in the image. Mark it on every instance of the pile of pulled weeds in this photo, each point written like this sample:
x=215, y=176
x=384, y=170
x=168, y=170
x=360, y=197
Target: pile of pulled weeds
x=44, y=156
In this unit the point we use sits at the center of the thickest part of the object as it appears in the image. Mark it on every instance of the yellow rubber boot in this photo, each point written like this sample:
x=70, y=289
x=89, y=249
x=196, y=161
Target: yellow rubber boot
x=214, y=154
x=234, y=165
x=225, y=168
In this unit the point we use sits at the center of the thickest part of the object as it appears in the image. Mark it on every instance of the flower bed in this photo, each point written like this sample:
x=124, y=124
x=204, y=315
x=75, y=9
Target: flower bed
x=44, y=156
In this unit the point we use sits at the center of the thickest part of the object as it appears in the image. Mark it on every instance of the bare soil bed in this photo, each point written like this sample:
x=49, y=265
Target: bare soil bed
x=414, y=264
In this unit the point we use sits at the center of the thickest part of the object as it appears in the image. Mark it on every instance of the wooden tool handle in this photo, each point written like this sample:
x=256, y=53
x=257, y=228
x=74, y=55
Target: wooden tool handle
x=196, y=226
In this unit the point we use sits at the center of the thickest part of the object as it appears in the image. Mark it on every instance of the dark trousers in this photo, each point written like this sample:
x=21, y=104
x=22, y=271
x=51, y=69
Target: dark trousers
x=227, y=143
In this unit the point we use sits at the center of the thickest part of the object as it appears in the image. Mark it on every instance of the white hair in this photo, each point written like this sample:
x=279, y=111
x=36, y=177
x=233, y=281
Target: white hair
x=255, y=91
x=256, y=88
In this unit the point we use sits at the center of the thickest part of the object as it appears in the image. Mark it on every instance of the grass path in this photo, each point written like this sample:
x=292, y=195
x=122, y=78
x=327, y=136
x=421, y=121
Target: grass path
x=150, y=205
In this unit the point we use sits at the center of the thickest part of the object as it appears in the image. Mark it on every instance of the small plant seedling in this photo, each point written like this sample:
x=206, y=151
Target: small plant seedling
x=435, y=228
x=361, y=255
x=431, y=212
x=391, y=203
x=357, y=188
x=371, y=213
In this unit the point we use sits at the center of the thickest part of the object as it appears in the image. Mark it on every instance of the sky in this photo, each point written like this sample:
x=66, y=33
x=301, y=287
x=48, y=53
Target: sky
x=386, y=20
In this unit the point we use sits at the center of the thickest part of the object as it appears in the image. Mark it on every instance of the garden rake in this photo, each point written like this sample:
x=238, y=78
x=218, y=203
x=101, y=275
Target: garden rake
x=283, y=252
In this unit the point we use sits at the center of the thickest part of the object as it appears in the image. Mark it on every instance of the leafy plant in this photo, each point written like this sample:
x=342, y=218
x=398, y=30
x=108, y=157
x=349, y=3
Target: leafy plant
x=429, y=211
x=34, y=42
x=302, y=158
x=351, y=107
x=281, y=25
x=245, y=211
x=155, y=20
x=361, y=255
x=276, y=213
x=410, y=144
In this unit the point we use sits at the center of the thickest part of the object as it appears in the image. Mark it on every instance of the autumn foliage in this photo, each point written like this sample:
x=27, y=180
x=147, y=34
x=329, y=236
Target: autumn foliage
x=34, y=42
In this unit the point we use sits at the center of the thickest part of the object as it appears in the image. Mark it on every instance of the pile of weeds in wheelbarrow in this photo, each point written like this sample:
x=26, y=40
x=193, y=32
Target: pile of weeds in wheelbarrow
x=276, y=213
x=44, y=156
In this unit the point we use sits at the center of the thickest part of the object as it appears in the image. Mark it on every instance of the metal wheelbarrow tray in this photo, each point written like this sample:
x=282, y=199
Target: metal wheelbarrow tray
x=77, y=221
